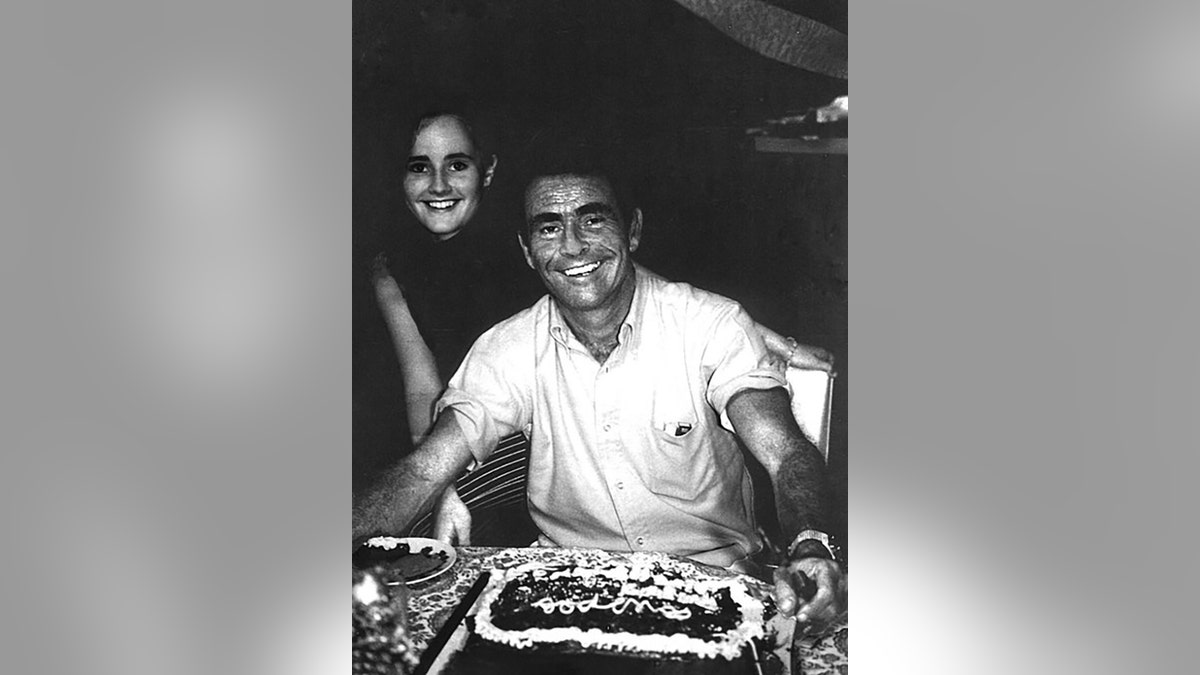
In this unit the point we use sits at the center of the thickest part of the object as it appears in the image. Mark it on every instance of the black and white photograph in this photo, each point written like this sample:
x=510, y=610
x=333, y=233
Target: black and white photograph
x=550, y=301
x=600, y=368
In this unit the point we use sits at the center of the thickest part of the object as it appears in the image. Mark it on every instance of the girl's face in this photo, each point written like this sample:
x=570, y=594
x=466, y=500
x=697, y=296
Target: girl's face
x=444, y=180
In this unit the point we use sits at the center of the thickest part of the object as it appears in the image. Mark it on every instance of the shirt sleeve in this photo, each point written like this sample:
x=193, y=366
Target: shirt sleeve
x=491, y=393
x=735, y=358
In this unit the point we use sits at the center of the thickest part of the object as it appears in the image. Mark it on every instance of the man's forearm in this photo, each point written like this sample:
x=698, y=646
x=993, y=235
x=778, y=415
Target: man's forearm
x=763, y=419
x=396, y=500
x=801, y=493
x=409, y=488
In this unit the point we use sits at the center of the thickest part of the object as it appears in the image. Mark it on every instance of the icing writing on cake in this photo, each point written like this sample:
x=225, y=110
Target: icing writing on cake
x=617, y=606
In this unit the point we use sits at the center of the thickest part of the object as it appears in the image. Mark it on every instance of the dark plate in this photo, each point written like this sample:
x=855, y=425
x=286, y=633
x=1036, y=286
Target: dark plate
x=412, y=558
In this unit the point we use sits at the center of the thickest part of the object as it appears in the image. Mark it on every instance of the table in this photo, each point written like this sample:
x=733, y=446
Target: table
x=430, y=603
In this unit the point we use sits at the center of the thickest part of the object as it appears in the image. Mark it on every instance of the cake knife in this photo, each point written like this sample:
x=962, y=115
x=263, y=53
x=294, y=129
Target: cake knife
x=456, y=617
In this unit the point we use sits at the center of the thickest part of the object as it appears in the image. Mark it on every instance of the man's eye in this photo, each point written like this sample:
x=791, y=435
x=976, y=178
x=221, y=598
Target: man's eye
x=459, y=166
x=418, y=167
x=594, y=221
x=548, y=230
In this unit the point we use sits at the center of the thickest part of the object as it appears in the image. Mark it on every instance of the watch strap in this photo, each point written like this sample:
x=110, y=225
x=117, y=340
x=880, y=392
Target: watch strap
x=814, y=544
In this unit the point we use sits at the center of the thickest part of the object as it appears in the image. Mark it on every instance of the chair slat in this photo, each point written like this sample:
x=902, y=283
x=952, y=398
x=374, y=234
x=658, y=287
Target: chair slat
x=485, y=476
x=514, y=488
x=499, y=481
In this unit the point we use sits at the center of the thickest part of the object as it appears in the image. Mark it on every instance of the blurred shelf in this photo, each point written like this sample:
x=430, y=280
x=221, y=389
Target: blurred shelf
x=800, y=146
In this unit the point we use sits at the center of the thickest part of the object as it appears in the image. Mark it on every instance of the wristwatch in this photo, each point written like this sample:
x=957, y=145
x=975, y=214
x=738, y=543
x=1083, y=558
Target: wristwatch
x=816, y=544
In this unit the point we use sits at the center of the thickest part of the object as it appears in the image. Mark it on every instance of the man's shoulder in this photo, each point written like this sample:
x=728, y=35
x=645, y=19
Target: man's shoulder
x=510, y=331
x=684, y=297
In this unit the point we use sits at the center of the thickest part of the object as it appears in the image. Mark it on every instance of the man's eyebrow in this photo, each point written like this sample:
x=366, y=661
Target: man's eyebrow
x=460, y=155
x=595, y=207
x=545, y=217
x=418, y=158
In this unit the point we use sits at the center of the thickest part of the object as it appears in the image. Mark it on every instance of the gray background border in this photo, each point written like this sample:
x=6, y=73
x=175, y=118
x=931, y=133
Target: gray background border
x=1022, y=326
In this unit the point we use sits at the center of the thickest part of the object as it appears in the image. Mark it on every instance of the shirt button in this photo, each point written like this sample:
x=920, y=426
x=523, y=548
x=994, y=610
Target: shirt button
x=641, y=541
x=607, y=428
x=620, y=485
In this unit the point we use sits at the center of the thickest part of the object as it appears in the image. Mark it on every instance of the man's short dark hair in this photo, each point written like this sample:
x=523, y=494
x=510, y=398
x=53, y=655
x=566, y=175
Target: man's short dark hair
x=568, y=154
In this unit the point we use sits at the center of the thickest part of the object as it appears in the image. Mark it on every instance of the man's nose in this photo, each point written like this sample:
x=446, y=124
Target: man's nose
x=572, y=243
x=439, y=186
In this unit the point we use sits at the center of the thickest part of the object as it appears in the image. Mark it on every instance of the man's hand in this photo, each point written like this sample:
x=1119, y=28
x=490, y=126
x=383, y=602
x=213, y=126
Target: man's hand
x=817, y=612
x=452, y=519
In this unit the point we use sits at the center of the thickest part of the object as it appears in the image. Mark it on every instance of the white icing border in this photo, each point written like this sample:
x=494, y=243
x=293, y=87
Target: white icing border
x=387, y=543
x=729, y=646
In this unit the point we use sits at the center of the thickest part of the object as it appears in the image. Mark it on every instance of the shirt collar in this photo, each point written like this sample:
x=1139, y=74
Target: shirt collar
x=561, y=332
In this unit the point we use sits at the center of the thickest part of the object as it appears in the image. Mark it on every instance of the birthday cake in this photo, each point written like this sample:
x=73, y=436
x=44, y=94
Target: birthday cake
x=641, y=605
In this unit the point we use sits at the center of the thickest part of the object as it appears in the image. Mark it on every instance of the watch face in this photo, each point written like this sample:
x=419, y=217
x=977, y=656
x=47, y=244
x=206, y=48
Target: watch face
x=835, y=547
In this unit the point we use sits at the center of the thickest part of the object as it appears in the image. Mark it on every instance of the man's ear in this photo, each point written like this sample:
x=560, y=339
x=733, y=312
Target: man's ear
x=525, y=250
x=635, y=230
x=490, y=170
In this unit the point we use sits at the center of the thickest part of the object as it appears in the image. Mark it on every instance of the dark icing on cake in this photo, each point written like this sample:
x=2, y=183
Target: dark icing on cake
x=644, y=604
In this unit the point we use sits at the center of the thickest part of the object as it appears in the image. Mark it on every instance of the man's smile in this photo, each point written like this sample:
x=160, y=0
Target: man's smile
x=582, y=270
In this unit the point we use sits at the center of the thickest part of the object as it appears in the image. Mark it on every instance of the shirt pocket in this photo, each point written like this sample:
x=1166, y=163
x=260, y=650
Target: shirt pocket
x=678, y=465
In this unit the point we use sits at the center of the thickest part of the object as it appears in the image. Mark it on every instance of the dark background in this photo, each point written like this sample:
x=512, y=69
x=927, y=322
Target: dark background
x=672, y=97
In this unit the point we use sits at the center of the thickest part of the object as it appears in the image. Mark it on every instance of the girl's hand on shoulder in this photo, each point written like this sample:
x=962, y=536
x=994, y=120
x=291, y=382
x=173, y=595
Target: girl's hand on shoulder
x=787, y=352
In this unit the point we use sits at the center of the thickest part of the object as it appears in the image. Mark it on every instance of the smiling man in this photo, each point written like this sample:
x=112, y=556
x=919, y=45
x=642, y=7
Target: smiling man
x=579, y=246
x=634, y=391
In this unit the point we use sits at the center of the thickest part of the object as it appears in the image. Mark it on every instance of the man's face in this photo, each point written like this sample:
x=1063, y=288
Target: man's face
x=443, y=180
x=577, y=242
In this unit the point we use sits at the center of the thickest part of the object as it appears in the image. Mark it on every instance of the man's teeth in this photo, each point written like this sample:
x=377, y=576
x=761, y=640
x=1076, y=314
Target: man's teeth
x=442, y=205
x=581, y=269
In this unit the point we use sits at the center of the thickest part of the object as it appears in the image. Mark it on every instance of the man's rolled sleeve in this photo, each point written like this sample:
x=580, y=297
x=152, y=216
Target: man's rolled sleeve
x=489, y=395
x=737, y=359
